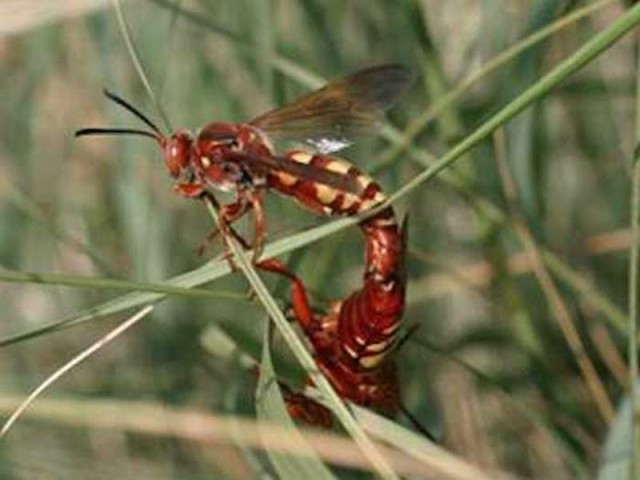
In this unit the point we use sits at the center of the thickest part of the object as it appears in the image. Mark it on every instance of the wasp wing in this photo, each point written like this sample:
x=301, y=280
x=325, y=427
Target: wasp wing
x=304, y=171
x=330, y=118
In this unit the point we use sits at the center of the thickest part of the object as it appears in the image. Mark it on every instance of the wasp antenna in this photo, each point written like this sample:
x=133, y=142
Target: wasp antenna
x=83, y=132
x=126, y=105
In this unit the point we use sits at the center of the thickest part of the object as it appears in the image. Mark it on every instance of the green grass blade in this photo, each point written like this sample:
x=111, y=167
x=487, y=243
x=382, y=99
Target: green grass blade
x=137, y=63
x=23, y=202
x=634, y=266
x=402, y=140
x=589, y=51
x=616, y=461
x=68, y=366
x=332, y=399
x=438, y=462
x=204, y=274
x=270, y=410
x=97, y=283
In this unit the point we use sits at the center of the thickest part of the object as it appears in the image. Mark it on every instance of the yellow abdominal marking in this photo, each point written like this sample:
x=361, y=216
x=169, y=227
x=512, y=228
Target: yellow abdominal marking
x=378, y=347
x=366, y=205
x=364, y=181
x=287, y=179
x=338, y=166
x=326, y=195
x=372, y=361
x=206, y=163
x=370, y=203
x=349, y=201
x=391, y=329
x=360, y=340
x=301, y=157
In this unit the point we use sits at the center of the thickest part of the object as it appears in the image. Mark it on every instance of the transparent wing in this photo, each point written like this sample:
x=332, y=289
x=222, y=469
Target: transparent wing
x=342, y=182
x=331, y=117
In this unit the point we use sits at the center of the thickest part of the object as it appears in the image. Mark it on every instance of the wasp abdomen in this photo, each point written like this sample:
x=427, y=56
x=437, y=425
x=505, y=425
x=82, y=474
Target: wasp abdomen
x=319, y=194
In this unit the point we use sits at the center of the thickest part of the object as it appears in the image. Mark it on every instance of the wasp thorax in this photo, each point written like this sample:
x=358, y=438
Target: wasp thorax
x=177, y=152
x=220, y=174
x=218, y=156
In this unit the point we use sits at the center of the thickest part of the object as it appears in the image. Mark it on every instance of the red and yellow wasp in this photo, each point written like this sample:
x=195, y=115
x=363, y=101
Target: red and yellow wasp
x=353, y=340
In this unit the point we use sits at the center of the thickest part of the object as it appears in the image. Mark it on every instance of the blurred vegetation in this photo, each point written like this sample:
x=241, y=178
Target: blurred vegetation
x=518, y=252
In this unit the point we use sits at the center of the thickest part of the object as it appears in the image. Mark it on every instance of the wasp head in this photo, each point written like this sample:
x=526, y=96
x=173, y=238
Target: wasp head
x=177, y=151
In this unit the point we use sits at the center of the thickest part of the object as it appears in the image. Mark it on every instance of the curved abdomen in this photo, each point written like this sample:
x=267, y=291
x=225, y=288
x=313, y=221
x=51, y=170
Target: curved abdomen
x=353, y=340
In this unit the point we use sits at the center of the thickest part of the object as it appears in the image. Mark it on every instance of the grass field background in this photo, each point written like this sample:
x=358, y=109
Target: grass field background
x=518, y=257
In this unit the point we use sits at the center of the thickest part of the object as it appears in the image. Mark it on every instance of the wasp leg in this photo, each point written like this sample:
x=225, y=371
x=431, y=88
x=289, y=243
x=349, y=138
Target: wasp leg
x=305, y=409
x=299, y=301
x=229, y=231
x=256, y=198
x=300, y=406
x=189, y=190
x=229, y=213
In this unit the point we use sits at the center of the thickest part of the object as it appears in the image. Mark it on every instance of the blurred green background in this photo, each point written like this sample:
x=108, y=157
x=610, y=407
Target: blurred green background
x=490, y=370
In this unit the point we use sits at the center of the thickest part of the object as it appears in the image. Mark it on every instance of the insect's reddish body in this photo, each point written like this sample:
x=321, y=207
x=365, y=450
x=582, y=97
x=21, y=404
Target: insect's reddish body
x=353, y=340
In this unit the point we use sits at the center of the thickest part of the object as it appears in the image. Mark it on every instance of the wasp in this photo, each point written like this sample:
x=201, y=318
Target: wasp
x=353, y=340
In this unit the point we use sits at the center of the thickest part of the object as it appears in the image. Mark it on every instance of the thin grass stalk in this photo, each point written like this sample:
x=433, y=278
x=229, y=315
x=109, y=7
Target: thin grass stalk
x=416, y=126
x=137, y=63
x=146, y=418
x=173, y=22
x=589, y=292
x=302, y=355
x=75, y=361
x=532, y=413
x=608, y=351
x=478, y=275
x=270, y=407
x=204, y=274
x=265, y=42
x=590, y=50
x=23, y=202
x=77, y=281
x=634, y=256
x=556, y=303
x=443, y=463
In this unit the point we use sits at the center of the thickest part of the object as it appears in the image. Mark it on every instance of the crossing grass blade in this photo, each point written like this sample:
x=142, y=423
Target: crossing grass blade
x=270, y=408
x=335, y=403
